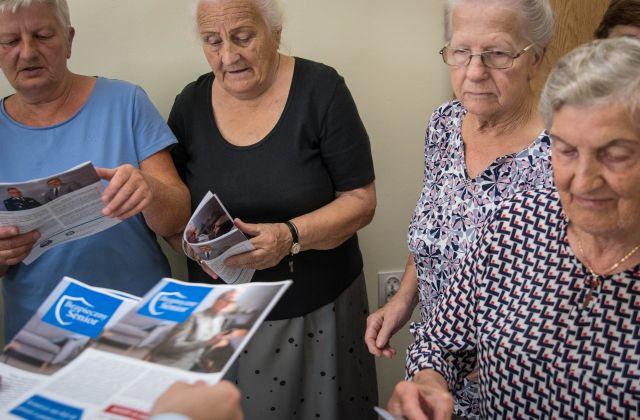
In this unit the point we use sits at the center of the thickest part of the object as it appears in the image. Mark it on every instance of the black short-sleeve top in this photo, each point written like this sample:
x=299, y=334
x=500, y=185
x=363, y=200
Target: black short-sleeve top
x=318, y=147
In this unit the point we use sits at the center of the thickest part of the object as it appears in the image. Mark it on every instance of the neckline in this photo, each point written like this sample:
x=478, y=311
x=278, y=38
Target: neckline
x=9, y=118
x=563, y=239
x=218, y=135
x=537, y=140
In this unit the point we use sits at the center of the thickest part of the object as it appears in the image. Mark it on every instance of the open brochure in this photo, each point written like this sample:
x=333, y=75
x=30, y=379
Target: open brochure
x=62, y=207
x=211, y=237
x=95, y=353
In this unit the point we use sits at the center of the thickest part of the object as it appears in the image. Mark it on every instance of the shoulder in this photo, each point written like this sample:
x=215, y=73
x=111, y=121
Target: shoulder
x=541, y=146
x=447, y=116
x=453, y=107
x=316, y=71
x=197, y=86
x=109, y=92
x=448, y=113
x=317, y=78
x=319, y=92
x=532, y=165
x=541, y=204
x=445, y=121
x=198, y=90
x=116, y=87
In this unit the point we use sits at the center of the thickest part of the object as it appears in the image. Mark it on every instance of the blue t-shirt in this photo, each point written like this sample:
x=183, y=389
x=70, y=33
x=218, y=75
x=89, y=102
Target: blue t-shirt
x=117, y=125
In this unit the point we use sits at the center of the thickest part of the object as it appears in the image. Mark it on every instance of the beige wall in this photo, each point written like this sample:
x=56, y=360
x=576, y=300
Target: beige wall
x=386, y=50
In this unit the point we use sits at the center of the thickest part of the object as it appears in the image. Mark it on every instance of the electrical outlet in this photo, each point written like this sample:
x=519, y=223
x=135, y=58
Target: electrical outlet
x=388, y=285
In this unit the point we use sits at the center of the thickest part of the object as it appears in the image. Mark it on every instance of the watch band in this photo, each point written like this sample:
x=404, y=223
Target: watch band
x=295, y=245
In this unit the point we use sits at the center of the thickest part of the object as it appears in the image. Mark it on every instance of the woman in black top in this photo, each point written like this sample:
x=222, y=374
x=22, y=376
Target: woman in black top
x=279, y=139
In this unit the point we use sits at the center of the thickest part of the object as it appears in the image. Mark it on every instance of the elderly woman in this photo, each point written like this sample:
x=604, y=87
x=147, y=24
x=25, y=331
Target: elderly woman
x=622, y=18
x=479, y=150
x=280, y=141
x=58, y=119
x=547, y=302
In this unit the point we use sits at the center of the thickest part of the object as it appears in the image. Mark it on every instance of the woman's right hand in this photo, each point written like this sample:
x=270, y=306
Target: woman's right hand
x=384, y=323
x=427, y=397
x=14, y=246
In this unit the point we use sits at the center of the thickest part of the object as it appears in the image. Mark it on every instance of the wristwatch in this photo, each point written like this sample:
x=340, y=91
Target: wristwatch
x=295, y=246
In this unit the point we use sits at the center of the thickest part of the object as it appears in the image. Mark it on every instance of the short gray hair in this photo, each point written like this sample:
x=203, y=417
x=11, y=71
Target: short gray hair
x=270, y=10
x=59, y=7
x=535, y=19
x=599, y=73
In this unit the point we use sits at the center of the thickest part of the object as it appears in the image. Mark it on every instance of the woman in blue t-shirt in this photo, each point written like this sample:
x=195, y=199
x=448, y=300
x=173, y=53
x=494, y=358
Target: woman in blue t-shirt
x=58, y=119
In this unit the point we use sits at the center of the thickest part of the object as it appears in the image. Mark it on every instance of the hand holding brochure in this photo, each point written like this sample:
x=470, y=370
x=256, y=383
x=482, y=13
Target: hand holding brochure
x=62, y=207
x=211, y=237
x=94, y=353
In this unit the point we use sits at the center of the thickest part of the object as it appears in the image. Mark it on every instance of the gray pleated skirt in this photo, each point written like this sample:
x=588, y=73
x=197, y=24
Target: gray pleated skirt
x=311, y=367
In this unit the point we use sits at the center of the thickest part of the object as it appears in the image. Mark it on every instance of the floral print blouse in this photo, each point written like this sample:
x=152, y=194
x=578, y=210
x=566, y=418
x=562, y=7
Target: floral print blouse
x=452, y=208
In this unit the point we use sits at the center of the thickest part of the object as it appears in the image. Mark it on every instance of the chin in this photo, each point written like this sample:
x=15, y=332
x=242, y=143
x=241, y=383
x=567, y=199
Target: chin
x=596, y=224
x=31, y=84
x=481, y=107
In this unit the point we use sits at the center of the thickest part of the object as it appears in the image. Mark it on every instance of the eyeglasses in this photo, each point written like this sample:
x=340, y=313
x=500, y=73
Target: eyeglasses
x=495, y=59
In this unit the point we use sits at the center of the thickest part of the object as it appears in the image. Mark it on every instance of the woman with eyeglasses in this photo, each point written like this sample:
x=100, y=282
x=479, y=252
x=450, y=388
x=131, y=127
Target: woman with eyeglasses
x=481, y=148
x=546, y=304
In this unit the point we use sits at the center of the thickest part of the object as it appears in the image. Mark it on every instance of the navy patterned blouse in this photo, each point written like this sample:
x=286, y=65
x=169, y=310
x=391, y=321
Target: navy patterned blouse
x=452, y=209
x=515, y=308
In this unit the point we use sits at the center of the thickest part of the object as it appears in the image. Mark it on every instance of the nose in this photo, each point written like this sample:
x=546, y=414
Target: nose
x=587, y=176
x=229, y=53
x=476, y=70
x=27, y=48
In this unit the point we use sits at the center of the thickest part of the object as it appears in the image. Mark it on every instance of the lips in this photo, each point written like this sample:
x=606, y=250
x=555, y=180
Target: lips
x=592, y=202
x=30, y=69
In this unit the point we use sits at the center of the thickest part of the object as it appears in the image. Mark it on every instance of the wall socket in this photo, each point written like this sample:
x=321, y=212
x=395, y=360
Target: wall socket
x=388, y=285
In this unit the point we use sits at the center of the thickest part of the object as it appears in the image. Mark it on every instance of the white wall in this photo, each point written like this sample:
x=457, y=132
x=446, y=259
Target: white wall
x=386, y=50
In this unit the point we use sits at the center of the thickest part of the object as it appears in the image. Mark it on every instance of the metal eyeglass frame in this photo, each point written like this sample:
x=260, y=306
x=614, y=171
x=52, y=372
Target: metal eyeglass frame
x=513, y=56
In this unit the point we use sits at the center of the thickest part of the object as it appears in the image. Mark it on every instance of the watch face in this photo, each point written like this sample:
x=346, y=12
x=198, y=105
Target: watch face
x=295, y=248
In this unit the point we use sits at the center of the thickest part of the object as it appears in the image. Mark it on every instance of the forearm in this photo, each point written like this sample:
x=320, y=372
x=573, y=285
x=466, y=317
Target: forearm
x=334, y=223
x=408, y=291
x=450, y=355
x=431, y=377
x=175, y=241
x=168, y=212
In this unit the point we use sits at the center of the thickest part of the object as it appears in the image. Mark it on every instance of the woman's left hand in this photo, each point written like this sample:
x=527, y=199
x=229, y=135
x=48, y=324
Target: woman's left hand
x=271, y=240
x=128, y=193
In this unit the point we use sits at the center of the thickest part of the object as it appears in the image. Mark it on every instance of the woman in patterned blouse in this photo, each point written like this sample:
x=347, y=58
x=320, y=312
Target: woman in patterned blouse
x=480, y=149
x=547, y=304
